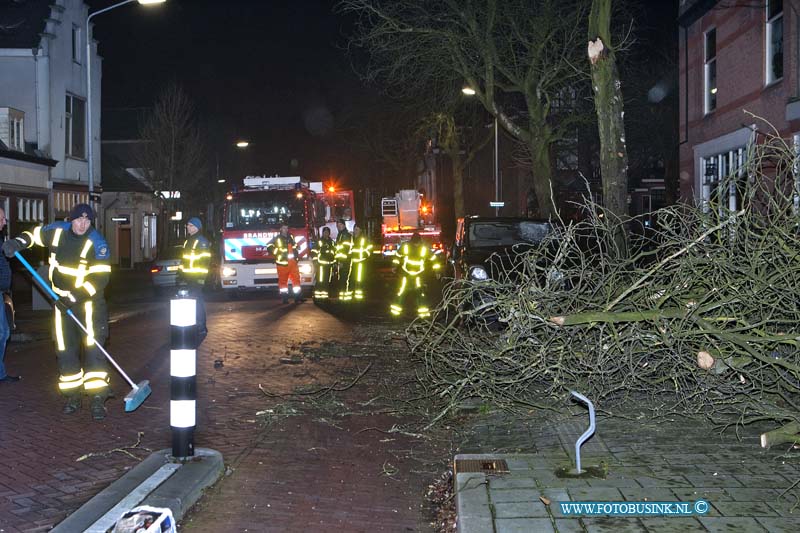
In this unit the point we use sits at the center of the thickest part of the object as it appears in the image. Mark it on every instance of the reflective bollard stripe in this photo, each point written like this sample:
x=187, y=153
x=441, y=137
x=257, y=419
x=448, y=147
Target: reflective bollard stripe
x=183, y=373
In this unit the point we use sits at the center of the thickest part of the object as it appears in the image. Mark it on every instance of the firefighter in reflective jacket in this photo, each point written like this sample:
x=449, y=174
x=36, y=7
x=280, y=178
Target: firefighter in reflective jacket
x=359, y=254
x=324, y=254
x=344, y=242
x=284, y=250
x=413, y=257
x=195, y=259
x=79, y=272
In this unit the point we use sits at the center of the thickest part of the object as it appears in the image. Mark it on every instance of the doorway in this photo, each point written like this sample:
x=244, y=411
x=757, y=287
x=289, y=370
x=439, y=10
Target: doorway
x=124, y=248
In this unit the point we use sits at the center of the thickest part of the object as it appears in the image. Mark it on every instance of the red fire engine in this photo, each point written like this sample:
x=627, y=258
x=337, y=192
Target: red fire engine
x=403, y=214
x=253, y=216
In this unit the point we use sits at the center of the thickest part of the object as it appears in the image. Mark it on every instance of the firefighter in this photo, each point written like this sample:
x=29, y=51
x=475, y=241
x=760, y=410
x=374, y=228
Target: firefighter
x=284, y=250
x=359, y=253
x=79, y=272
x=344, y=242
x=194, y=269
x=324, y=254
x=413, y=258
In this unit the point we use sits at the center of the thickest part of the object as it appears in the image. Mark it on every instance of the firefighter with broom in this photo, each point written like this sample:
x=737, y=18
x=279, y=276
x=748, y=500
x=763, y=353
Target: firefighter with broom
x=79, y=272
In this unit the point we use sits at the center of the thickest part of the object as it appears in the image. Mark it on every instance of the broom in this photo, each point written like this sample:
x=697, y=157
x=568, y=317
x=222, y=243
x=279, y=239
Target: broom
x=138, y=393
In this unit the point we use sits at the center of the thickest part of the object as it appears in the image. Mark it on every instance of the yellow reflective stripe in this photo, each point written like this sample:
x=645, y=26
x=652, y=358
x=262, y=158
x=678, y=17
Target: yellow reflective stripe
x=56, y=237
x=90, y=288
x=36, y=236
x=68, y=386
x=99, y=268
x=402, y=286
x=88, y=307
x=95, y=384
x=86, y=248
x=60, y=333
x=95, y=375
x=395, y=309
x=71, y=377
x=418, y=282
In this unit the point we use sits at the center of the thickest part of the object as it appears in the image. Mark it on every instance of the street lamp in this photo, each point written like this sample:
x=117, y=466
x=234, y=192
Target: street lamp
x=242, y=144
x=469, y=91
x=89, y=81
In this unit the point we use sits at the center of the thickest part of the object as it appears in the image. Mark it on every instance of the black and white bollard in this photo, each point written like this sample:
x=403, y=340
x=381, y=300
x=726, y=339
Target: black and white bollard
x=183, y=373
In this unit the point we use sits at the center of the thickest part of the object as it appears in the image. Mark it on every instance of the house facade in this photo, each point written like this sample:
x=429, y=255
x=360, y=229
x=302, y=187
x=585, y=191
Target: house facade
x=738, y=61
x=43, y=97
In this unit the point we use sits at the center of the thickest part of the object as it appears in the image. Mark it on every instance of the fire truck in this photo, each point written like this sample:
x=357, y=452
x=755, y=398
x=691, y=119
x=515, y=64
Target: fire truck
x=253, y=216
x=403, y=214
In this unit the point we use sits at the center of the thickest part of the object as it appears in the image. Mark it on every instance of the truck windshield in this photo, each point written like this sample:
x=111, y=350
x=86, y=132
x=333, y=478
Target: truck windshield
x=265, y=210
x=495, y=233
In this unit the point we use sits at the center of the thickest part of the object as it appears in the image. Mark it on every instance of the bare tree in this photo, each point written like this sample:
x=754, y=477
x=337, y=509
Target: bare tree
x=173, y=154
x=518, y=56
x=461, y=135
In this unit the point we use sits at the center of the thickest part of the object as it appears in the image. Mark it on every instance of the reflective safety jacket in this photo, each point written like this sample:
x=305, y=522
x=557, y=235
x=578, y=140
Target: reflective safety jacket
x=344, y=242
x=195, y=259
x=282, y=249
x=413, y=258
x=360, y=250
x=78, y=264
x=324, y=252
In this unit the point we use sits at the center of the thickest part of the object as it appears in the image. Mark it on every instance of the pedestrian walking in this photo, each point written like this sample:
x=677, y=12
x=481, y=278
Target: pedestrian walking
x=79, y=273
x=284, y=249
x=413, y=259
x=324, y=255
x=195, y=259
x=344, y=242
x=5, y=321
x=360, y=253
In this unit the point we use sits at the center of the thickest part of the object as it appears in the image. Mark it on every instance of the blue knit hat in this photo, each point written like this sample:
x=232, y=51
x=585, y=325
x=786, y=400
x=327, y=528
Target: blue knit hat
x=194, y=221
x=80, y=210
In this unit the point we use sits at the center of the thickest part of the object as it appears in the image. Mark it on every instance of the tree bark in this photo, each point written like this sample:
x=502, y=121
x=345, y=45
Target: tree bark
x=542, y=177
x=787, y=433
x=610, y=109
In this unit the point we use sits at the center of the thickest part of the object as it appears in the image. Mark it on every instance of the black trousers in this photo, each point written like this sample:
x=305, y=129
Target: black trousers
x=90, y=372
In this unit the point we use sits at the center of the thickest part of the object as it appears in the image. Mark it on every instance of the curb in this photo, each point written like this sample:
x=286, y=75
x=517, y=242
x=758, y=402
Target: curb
x=159, y=481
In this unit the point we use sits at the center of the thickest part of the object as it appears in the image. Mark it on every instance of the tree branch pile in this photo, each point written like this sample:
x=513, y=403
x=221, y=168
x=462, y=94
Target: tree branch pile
x=700, y=315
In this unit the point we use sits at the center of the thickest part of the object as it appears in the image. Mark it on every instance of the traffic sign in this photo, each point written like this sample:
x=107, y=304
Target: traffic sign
x=497, y=204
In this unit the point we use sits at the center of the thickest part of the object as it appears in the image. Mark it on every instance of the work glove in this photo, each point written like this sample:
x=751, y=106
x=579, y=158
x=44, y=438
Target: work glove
x=12, y=246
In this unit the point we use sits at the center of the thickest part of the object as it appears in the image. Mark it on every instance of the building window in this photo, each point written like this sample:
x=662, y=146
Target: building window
x=75, y=127
x=710, y=71
x=76, y=44
x=718, y=189
x=774, y=38
x=16, y=134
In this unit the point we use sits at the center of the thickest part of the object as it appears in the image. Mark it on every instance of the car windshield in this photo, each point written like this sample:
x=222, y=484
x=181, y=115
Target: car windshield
x=265, y=210
x=507, y=233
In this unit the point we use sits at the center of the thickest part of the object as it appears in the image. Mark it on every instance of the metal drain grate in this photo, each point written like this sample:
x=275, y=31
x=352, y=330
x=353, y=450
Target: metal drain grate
x=487, y=466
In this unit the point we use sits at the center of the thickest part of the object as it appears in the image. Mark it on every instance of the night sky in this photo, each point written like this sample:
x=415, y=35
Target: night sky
x=270, y=71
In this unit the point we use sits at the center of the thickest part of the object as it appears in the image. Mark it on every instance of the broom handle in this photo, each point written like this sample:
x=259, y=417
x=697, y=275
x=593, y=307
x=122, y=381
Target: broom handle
x=55, y=298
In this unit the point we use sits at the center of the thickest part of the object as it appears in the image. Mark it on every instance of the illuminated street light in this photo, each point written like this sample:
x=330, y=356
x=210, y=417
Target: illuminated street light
x=221, y=181
x=242, y=144
x=89, y=125
x=469, y=91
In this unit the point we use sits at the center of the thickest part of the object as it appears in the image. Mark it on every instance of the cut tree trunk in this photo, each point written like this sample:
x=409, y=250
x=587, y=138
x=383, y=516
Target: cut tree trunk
x=782, y=435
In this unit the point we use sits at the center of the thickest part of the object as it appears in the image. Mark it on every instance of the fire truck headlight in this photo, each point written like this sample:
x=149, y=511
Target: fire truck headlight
x=228, y=272
x=306, y=269
x=478, y=273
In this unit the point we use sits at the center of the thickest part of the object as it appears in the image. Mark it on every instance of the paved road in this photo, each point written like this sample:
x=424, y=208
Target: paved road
x=292, y=465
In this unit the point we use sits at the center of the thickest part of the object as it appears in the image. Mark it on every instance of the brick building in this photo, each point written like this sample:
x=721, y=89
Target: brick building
x=734, y=57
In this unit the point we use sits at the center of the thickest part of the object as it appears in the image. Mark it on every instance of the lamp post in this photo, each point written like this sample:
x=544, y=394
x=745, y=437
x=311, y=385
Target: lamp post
x=469, y=91
x=89, y=126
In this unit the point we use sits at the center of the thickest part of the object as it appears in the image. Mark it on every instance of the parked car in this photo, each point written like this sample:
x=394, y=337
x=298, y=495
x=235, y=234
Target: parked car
x=164, y=271
x=486, y=248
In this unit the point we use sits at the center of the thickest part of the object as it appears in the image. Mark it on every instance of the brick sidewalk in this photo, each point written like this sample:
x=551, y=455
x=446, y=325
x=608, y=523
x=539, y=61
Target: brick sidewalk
x=308, y=469
x=668, y=460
